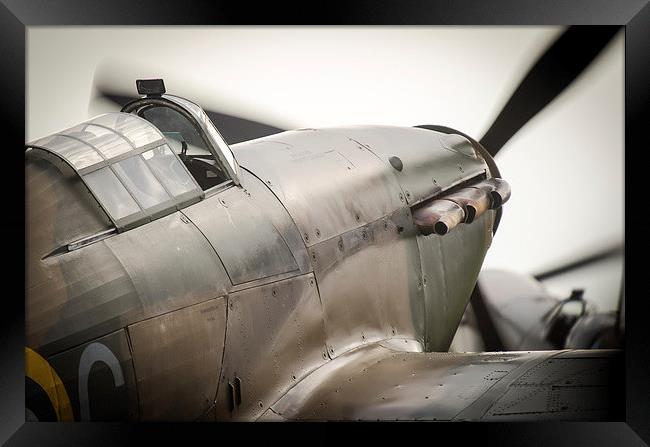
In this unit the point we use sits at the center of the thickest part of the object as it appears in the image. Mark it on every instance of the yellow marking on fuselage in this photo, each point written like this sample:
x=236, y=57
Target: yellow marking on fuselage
x=40, y=371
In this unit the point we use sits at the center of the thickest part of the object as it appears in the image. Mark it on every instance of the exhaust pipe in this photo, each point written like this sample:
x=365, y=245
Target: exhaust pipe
x=473, y=201
x=443, y=214
x=440, y=216
x=498, y=189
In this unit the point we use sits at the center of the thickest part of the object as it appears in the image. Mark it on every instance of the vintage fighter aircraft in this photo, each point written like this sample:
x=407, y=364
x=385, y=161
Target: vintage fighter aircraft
x=315, y=274
x=511, y=310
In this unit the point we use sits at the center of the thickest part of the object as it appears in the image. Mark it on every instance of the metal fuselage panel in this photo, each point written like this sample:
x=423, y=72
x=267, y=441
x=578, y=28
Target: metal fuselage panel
x=369, y=280
x=274, y=338
x=328, y=183
x=430, y=162
x=378, y=278
x=248, y=243
x=99, y=378
x=177, y=358
x=450, y=266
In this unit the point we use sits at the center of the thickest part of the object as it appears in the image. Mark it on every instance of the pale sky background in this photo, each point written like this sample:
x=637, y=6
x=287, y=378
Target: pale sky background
x=565, y=166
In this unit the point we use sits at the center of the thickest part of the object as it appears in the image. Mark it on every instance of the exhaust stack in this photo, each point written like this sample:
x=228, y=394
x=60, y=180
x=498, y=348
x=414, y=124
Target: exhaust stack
x=439, y=216
x=474, y=202
x=498, y=189
x=443, y=214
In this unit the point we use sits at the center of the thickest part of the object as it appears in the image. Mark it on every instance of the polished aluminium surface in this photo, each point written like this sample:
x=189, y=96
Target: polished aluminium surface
x=274, y=339
x=370, y=276
x=177, y=357
x=76, y=297
x=265, y=201
x=432, y=162
x=375, y=382
x=122, y=279
x=450, y=266
x=370, y=283
x=328, y=183
x=246, y=240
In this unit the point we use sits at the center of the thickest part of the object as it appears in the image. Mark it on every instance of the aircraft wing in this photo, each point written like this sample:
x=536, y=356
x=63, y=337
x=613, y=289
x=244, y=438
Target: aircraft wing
x=378, y=382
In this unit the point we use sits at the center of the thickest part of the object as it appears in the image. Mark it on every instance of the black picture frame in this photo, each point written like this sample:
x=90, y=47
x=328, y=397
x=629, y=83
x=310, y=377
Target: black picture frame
x=16, y=15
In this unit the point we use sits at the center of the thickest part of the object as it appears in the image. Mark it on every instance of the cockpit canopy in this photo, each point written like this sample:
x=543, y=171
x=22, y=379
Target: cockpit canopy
x=158, y=155
x=127, y=165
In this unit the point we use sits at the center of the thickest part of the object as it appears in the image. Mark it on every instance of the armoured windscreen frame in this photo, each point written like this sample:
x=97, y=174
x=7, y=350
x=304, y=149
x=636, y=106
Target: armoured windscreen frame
x=210, y=135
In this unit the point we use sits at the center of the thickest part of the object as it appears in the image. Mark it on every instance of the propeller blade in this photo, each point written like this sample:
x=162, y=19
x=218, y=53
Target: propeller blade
x=491, y=339
x=558, y=67
x=233, y=129
x=596, y=257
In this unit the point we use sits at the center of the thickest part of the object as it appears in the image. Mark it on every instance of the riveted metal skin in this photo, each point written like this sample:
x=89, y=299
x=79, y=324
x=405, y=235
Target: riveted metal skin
x=375, y=382
x=177, y=358
x=274, y=339
x=163, y=277
x=348, y=246
x=272, y=209
x=450, y=265
x=432, y=161
x=370, y=283
x=246, y=240
x=571, y=385
x=300, y=289
x=325, y=180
